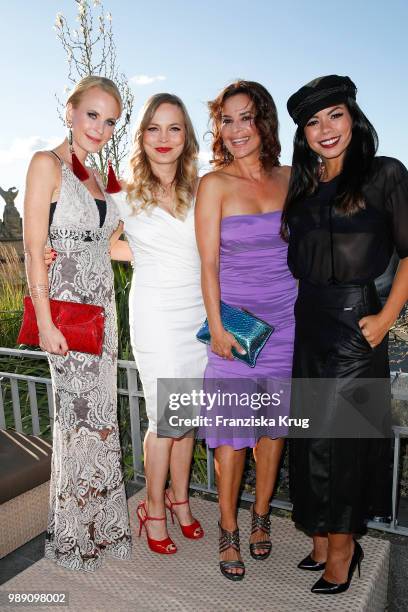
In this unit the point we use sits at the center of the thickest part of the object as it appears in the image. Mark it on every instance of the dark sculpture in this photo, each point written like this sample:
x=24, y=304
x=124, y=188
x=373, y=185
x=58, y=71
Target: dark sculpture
x=11, y=228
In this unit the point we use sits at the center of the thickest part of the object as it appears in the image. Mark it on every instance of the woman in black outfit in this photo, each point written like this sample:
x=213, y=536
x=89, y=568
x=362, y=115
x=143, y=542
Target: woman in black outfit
x=345, y=212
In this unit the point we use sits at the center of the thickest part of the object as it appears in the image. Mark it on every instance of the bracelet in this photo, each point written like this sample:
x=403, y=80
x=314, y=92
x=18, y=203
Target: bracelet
x=38, y=292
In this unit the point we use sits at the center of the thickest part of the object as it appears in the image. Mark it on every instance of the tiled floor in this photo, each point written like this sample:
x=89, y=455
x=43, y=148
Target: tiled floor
x=191, y=580
x=33, y=551
x=23, y=557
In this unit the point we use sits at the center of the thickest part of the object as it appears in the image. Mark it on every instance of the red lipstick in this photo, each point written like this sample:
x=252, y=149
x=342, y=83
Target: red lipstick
x=328, y=145
x=163, y=149
x=95, y=140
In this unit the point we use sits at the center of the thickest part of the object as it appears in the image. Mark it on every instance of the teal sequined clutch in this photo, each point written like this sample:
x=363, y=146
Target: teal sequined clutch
x=251, y=332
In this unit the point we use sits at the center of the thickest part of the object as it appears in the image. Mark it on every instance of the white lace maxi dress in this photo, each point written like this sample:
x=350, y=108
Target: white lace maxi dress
x=88, y=511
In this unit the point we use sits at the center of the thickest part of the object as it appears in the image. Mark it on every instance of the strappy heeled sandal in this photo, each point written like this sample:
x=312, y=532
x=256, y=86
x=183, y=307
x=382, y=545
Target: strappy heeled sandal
x=194, y=531
x=230, y=539
x=260, y=522
x=163, y=547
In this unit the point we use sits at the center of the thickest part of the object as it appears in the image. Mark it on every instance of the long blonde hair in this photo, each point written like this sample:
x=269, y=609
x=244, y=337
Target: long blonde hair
x=142, y=184
x=94, y=81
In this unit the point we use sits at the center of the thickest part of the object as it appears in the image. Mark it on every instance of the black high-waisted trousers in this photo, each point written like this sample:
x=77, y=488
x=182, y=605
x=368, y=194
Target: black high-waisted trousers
x=337, y=484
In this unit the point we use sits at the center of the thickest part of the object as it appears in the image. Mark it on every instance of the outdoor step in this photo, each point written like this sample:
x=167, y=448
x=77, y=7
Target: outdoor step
x=190, y=580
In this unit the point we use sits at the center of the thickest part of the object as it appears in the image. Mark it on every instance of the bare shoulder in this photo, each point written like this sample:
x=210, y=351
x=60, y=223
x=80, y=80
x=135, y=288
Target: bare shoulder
x=210, y=183
x=284, y=172
x=215, y=181
x=209, y=195
x=44, y=161
x=211, y=178
x=43, y=173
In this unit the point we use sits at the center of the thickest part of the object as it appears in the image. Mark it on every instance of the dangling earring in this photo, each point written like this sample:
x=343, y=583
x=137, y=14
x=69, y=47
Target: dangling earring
x=321, y=169
x=113, y=185
x=77, y=168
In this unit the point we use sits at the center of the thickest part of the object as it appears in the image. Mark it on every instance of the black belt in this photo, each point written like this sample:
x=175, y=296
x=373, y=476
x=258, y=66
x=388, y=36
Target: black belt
x=337, y=296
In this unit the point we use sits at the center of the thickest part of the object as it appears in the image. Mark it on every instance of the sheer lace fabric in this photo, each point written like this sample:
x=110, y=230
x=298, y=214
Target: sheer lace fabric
x=88, y=514
x=327, y=246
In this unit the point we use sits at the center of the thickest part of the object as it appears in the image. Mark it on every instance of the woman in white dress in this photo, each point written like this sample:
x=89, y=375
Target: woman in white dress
x=165, y=301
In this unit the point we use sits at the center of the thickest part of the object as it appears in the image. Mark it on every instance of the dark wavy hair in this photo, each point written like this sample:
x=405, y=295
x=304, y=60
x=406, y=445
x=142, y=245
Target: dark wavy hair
x=359, y=155
x=266, y=121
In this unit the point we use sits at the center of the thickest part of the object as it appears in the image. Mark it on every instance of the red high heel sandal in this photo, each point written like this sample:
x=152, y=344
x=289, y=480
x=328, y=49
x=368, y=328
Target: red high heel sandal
x=193, y=531
x=164, y=547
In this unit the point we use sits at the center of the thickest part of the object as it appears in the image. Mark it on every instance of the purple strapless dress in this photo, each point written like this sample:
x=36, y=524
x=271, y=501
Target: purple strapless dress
x=253, y=275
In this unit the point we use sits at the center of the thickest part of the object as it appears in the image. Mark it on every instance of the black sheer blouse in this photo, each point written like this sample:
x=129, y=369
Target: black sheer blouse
x=326, y=246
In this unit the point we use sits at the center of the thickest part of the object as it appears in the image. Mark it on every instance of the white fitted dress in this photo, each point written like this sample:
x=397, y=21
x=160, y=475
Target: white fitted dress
x=165, y=303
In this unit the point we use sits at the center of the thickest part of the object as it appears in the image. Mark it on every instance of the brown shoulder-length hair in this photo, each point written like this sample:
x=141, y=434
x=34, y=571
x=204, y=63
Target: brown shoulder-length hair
x=266, y=121
x=142, y=183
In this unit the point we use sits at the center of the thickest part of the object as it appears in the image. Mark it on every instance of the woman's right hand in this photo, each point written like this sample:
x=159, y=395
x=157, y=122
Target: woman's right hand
x=222, y=344
x=53, y=341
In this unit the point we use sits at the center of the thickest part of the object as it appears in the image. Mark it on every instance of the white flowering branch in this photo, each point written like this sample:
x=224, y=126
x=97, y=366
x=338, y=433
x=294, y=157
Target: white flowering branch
x=90, y=49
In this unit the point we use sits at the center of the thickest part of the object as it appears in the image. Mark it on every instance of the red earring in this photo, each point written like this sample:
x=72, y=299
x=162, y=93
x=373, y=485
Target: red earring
x=77, y=168
x=113, y=185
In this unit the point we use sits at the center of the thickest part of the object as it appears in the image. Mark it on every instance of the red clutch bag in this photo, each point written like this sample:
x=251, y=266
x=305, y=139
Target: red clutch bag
x=81, y=324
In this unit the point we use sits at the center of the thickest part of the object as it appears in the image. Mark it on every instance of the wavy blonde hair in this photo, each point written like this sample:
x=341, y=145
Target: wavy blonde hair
x=142, y=183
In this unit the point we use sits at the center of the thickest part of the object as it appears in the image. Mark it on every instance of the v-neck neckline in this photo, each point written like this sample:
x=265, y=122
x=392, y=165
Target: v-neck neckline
x=86, y=188
x=169, y=214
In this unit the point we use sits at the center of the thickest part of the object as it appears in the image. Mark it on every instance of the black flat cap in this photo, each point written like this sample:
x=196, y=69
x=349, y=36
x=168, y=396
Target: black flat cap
x=318, y=94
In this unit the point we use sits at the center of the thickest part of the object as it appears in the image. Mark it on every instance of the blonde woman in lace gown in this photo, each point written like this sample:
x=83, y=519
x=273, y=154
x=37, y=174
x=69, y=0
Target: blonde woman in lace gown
x=88, y=514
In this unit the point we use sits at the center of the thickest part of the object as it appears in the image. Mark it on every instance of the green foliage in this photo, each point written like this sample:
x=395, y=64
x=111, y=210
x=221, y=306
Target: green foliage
x=122, y=273
x=12, y=291
x=199, y=465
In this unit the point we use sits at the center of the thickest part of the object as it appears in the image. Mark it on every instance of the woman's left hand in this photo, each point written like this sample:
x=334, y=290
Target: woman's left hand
x=49, y=255
x=374, y=328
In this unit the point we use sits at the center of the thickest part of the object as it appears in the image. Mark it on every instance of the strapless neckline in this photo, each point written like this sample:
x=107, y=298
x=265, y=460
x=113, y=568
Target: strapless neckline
x=271, y=212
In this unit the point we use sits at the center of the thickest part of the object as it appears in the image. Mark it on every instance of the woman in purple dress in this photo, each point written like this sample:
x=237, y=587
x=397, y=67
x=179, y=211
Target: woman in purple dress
x=238, y=215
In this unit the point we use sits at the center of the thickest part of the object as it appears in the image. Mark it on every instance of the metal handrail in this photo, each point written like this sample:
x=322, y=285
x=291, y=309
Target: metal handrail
x=134, y=394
